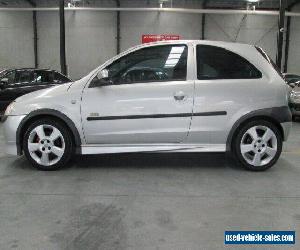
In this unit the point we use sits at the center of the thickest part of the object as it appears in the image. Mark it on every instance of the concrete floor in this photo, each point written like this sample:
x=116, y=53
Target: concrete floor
x=146, y=201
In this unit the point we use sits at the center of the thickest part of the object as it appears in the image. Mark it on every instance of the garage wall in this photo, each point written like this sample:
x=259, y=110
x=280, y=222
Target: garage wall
x=91, y=35
x=16, y=39
x=294, y=50
x=258, y=30
x=90, y=40
x=135, y=24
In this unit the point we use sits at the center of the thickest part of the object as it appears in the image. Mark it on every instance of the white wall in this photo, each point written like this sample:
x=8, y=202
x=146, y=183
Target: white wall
x=253, y=29
x=90, y=40
x=91, y=35
x=294, y=50
x=16, y=39
x=135, y=24
x=48, y=40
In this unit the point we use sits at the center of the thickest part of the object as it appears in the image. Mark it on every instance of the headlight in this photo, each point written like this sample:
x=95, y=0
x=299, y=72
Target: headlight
x=9, y=109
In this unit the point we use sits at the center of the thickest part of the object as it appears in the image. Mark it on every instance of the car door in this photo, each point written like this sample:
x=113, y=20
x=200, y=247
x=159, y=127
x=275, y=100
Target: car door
x=141, y=109
x=223, y=80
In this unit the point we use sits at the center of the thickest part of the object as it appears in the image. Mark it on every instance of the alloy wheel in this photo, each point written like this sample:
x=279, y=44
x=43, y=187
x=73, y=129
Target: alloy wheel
x=46, y=145
x=258, y=145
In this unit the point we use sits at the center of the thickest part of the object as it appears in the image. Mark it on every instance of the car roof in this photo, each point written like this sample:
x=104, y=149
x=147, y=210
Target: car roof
x=29, y=69
x=220, y=43
x=10, y=69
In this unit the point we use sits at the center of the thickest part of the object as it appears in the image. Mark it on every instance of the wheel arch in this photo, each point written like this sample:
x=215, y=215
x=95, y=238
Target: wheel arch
x=46, y=113
x=276, y=116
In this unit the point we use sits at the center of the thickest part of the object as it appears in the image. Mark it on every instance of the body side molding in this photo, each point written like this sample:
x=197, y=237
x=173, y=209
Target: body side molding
x=97, y=118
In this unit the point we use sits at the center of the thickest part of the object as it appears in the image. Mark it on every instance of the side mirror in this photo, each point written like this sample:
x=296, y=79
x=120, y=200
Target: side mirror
x=106, y=81
x=102, y=74
x=102, y=79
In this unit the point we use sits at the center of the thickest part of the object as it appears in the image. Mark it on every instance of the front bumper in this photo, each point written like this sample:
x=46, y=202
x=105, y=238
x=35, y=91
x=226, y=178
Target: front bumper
x=10, y=126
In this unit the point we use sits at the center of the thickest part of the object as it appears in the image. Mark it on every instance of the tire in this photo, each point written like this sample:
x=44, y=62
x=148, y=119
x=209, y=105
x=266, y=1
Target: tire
x=253, y=149
x=47, y=144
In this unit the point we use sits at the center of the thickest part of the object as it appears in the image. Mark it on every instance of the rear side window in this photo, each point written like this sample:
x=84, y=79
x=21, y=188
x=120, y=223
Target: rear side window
x=218, y=63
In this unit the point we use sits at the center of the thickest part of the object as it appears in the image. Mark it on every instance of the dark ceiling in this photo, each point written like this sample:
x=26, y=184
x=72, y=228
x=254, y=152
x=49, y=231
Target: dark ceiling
x=227, y=4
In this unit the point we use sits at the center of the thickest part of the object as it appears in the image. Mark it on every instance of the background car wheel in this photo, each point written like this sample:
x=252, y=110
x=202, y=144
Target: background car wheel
x=47, y=144
x=258, y=145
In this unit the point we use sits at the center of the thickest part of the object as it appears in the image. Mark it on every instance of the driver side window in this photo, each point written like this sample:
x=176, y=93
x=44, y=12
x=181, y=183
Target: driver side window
x=153, y=64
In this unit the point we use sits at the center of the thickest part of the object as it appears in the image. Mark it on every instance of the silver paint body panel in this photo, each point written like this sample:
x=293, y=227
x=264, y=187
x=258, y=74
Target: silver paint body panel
x=197, y=133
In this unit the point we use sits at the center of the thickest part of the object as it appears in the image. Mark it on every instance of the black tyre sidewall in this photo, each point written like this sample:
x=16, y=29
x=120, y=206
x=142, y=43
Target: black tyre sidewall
x=238, y=138
x=69, y=148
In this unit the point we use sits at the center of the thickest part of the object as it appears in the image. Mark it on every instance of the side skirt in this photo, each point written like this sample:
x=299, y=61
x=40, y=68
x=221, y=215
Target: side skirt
x=157, y=148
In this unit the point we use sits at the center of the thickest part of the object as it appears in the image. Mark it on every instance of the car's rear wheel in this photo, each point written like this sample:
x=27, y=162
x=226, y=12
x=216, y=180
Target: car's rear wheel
x=258, y=145
x=47, y=144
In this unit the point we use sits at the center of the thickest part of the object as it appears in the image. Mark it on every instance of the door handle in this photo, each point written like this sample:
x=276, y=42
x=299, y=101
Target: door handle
x=179, y=96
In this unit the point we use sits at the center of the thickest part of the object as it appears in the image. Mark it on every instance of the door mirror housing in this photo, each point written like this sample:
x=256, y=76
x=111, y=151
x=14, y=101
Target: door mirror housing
x=102, y=79
x=102, y=74
x=106, y=81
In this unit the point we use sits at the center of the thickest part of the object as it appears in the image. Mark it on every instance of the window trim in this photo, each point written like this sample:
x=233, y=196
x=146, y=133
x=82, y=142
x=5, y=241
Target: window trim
x=214, y=79
x=91, y=85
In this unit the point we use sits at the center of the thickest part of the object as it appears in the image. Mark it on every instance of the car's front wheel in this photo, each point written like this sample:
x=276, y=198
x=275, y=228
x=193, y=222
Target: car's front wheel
x=258, y=145
x=47, y=144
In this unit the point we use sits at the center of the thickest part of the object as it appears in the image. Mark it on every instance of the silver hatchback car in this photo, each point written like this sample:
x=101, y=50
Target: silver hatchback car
x=175, y=96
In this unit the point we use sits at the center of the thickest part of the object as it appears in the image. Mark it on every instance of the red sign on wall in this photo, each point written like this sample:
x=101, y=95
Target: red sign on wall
x=155, y=38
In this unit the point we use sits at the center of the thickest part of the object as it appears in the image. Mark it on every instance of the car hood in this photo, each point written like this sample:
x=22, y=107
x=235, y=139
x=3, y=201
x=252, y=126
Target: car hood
x=44, y=93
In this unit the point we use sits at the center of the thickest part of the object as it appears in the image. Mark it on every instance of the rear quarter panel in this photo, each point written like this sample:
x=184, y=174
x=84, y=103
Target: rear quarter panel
x=237, y=97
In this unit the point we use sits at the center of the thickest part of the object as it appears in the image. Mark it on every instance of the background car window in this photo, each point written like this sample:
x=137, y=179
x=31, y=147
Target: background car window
x=43, y=76
x=24, y=76
x=59, y=78
x=218, y=63
x=160, y=63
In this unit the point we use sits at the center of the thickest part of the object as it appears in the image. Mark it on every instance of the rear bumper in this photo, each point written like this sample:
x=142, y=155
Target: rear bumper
x=10, y=126
x=286, y=126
